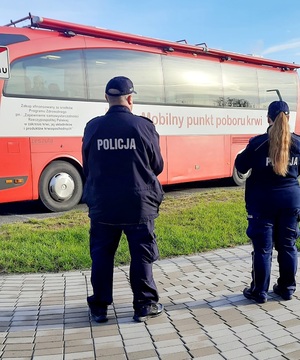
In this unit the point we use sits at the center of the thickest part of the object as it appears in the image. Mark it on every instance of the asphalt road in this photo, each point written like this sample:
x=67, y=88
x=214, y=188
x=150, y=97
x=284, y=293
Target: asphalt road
x=25, y=210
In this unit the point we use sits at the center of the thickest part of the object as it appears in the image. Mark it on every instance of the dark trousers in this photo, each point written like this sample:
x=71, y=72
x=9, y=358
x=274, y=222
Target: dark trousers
x=104, y=241
x=278, y=229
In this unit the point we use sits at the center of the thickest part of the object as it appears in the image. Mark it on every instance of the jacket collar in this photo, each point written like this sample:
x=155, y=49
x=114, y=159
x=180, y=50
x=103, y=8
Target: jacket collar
x=118, y=108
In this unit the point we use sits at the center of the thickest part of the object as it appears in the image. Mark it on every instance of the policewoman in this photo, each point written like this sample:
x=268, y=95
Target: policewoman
x=121, y=161
x=272, y=197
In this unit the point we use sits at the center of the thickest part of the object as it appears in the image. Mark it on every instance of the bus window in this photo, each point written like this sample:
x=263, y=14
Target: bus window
x=19, y=83
x=240, y=86
x=285, y=82
x=39, y=85
x=143, y=69
x=37, y=76
x=192, y=82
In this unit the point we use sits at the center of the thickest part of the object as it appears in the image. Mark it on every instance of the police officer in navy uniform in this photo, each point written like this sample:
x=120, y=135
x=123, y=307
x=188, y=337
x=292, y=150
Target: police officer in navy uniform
x=272, y=197
x=121, y=161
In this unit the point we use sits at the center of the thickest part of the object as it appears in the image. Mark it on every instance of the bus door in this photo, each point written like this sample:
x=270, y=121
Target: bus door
x=15, y=155
x=15, y=170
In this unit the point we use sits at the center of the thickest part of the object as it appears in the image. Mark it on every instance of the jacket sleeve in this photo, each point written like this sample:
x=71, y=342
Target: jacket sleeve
x=156, y=159
x=89, y=131
x=84, y=153
x=243, y=161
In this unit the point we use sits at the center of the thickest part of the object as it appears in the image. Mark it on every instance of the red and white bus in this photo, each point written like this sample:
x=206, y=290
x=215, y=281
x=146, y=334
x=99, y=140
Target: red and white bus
x=205, y=103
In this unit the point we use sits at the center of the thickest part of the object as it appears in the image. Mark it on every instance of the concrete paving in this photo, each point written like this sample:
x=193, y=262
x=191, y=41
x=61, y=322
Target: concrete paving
x=45, y=316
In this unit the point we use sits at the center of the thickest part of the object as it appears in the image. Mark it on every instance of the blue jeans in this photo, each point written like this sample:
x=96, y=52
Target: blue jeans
x=278, y=228
x=104, y=241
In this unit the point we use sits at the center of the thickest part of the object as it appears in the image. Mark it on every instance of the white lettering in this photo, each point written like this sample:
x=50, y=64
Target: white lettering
x=268, y=161
x=99, y=143
x=293, y=161
x=116, y=144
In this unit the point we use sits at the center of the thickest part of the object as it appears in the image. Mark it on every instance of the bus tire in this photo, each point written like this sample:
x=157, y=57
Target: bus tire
x=60, y=186
x=238, y=178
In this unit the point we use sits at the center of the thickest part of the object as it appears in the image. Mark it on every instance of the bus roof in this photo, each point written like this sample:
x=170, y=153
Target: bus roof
x=71, y=29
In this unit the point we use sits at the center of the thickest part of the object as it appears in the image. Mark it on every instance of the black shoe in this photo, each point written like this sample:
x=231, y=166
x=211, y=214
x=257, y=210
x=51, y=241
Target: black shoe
x=98, y=311
x=148, y=311
x=99, y=314
x=259, y=298
x=285, y=294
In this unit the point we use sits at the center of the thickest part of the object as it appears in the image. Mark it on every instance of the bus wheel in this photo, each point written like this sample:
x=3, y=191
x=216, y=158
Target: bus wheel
x=60, y=186
x=238, y=178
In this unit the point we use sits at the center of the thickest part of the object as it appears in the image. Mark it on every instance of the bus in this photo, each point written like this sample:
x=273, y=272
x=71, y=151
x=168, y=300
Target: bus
x=205, y=104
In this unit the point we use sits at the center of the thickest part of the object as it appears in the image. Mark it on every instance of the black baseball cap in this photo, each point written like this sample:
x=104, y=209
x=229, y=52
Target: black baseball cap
x=276, y=107
x=119, y=85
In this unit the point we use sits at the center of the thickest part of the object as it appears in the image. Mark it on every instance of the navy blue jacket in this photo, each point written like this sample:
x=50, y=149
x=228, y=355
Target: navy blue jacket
x=121, y=161
x=266, y=190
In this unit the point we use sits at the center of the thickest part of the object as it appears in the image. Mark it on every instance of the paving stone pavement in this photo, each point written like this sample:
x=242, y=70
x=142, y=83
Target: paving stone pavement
x=45, y=316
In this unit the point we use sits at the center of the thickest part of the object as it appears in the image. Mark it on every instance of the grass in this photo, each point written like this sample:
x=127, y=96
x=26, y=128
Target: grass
x=187, y=224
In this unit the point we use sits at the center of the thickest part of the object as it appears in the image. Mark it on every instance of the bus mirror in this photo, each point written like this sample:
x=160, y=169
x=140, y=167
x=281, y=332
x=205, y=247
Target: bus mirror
x=277, y=92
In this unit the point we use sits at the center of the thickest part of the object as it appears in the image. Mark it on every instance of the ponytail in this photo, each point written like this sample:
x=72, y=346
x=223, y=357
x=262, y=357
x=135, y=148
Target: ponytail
x=279, y=144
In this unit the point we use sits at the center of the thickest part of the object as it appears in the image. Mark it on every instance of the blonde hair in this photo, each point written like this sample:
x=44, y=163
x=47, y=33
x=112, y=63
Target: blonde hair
x=280, y=144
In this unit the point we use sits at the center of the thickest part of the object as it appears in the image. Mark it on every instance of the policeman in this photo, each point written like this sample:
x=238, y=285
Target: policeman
x=121, y=161
x=272, y=197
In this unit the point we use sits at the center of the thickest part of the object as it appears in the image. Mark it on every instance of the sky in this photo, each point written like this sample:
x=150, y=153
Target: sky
x=267, y=28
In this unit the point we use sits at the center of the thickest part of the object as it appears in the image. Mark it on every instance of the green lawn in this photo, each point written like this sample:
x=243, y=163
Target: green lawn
x=187, y=224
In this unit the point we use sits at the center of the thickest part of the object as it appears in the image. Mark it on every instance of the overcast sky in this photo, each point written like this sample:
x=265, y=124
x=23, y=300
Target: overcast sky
x=268, y=28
